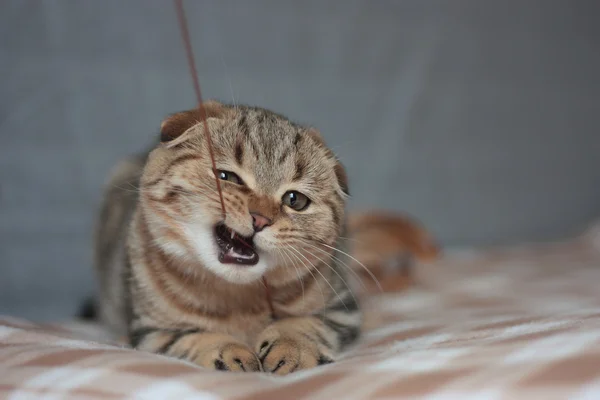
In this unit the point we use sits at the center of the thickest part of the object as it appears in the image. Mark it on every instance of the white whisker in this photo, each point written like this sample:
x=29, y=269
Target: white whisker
x=311, y=274
x=320, y=273
x=356, y=275
x=338, y=274
x=283, y=251
x=359, y=263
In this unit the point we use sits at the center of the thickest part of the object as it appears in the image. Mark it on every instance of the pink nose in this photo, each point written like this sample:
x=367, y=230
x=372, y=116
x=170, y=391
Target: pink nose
x=259, y=221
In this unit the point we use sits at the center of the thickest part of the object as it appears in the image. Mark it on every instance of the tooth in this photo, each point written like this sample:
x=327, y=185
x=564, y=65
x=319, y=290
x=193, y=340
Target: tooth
x=232, y=234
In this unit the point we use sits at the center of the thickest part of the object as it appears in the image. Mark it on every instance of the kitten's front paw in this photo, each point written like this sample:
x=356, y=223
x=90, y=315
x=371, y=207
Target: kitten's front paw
x=282, y=353
x=232, y=357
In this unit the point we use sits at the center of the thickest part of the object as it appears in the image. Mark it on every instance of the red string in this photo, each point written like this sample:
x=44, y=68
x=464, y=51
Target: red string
x=268, y=295
x=185, y=34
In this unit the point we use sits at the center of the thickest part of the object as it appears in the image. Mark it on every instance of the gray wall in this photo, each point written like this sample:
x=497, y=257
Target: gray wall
x=479, y=117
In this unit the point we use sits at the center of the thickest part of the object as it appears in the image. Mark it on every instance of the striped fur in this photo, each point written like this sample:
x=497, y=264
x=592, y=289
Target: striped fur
x=161, y=283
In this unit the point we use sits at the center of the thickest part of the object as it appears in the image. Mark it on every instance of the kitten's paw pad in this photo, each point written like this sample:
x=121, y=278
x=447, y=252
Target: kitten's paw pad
x=236, y=357
x=285, y=355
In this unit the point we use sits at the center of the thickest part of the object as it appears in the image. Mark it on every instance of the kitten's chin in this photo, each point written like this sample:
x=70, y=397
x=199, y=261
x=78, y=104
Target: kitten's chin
x=203, y=240
x=236, y=274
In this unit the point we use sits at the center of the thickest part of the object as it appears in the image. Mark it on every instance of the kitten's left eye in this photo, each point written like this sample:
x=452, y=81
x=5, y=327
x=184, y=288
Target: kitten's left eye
x=231, y=177
x=295, y=200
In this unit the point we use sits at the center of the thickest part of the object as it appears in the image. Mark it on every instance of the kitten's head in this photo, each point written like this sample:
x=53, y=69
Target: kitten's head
x=283, y=189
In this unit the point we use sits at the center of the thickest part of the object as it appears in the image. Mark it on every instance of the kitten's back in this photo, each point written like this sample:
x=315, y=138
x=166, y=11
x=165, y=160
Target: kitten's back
x=118, y=204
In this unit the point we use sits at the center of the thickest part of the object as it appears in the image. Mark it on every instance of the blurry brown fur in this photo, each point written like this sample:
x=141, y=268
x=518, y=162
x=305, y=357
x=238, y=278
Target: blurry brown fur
x=388, y=244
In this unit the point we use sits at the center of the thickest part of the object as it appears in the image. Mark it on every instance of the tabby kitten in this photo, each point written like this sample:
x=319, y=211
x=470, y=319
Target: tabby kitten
x=180, y=280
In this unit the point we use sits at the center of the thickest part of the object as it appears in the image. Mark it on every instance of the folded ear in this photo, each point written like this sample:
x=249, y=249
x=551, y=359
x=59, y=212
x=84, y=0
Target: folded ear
x=342, y=177
x=340, y=171
x=176, y=124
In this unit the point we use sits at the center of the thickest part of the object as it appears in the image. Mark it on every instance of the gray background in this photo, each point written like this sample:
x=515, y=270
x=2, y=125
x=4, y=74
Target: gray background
x=479, y=117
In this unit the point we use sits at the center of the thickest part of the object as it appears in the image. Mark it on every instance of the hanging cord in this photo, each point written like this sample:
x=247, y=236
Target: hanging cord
x=268, y=296
x=185, y=35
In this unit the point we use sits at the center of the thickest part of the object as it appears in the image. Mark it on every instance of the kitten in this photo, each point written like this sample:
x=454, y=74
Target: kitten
x=179, y=280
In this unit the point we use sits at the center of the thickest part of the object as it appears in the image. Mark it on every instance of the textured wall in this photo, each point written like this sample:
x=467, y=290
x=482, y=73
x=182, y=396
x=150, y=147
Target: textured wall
x=480, y=117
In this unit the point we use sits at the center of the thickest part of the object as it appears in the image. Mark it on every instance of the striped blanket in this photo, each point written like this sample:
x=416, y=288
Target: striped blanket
x=511, y=323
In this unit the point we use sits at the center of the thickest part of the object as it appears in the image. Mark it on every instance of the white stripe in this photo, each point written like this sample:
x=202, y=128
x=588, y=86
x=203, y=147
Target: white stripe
x=172, y=390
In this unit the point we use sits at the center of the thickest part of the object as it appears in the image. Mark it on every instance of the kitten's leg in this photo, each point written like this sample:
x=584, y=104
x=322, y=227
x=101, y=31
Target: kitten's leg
x=298, y=343
x=211, y=350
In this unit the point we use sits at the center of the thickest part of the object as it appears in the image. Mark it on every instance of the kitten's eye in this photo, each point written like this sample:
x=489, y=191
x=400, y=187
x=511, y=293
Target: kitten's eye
x=295, y=200
x=231, y=177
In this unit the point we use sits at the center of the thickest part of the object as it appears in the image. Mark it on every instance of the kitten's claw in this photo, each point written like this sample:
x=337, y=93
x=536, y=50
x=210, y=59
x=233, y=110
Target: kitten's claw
x=234, y=357
x=283, y=354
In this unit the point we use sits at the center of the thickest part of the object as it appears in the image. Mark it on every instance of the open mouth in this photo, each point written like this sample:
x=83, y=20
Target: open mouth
x=234, y=248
